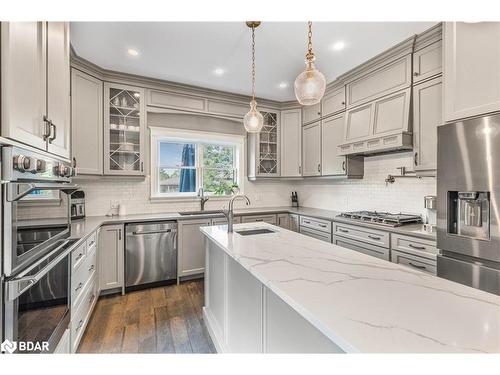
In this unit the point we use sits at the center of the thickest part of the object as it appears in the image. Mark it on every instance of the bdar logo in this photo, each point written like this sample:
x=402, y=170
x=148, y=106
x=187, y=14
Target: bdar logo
x=8, y=346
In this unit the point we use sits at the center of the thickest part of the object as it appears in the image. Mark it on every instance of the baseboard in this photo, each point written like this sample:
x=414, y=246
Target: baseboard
x=210, y=323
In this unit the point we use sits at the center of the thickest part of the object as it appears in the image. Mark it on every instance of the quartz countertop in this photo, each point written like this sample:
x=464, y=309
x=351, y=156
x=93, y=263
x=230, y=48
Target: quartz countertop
x=362, y=303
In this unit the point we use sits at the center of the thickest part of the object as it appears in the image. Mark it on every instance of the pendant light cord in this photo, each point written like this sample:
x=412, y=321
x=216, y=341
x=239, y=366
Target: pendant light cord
x=253, y=63
x=310, y=54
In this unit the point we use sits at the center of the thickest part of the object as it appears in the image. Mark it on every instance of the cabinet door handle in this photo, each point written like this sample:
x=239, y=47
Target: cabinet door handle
x=343, y=165
x=342, y=230
x=415, y=158
x=79, y=257
x=373, y=237
x=300, y=169
x=92, y=267
x=416, y=74
x=417, y=266
x=416, y=247
x=319, y=167
x=46, y=130
x=80, y=324
x=74, y=162
x=142, y=166
x=78, y=287
x=52, y=126
x=119, y=234
x=343, y=103
x=91, y=299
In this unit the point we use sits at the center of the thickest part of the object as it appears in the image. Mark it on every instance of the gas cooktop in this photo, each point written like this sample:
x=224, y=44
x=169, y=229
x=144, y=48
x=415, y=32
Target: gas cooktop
x=383, y=218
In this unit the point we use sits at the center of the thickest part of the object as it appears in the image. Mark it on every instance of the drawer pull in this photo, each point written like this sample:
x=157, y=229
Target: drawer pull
x=80, y=324
x=417, y=266
x=78, y=287
x=307, y=222
x=259, y=219
x=80, y=256
x=91, y=268
x=342, y=230
x=374, y=237
x=322, y=225
x=91, y=299
x=416, y=247
x=91, y=244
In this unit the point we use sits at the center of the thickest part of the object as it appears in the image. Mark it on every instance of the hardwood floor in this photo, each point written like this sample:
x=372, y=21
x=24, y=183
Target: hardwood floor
x=159, y=320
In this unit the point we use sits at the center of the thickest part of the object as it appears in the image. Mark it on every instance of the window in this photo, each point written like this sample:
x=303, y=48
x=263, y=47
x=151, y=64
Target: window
x=184, y=161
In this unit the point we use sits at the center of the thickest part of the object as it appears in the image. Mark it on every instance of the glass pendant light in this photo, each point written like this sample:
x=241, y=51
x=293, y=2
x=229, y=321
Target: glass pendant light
x=310, y=85
x=253, y=120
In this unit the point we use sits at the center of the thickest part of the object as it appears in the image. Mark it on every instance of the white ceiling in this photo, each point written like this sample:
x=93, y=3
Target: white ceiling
x=189, y=52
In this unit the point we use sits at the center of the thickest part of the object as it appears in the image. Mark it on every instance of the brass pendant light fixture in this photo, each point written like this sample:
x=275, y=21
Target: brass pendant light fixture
x=253, y=120
x=310, y=85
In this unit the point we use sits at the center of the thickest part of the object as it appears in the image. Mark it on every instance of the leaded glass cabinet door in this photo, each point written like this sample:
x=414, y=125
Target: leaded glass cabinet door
x=123, y=130
x=268, y=146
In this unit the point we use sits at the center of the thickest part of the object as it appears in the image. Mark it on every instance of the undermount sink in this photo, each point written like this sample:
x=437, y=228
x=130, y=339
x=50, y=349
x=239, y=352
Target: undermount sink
x=251, y=232
x=205, y=212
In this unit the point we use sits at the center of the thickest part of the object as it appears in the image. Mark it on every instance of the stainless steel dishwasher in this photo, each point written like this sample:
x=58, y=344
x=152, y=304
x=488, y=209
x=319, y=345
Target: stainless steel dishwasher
x=150, y=253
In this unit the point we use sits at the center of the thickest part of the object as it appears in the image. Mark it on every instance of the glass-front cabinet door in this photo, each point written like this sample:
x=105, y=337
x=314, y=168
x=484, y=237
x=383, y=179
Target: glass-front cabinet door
x=124, y=128
x=264, y=148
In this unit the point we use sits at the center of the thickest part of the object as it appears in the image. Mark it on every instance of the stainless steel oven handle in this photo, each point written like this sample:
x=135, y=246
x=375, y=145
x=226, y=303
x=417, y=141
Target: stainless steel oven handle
x=137, y=233
x=17, y=190
x=19, y=285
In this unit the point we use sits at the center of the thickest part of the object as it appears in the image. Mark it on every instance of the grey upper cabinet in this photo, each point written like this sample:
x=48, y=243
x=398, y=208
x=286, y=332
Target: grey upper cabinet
x=86, y=123
x=311, y=149
x=124, y=130
x=427, y=115
x=35, y=84
x=331, y=136
x=111, y=257
x=264, y=148
x=333, y=102
x=311, y=113
x=427, y=62
x=58, y=88
x=471, y=81
x=291, y=147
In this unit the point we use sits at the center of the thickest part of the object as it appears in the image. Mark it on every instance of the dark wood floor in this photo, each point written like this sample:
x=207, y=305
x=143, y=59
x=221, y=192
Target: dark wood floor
x=159, y=320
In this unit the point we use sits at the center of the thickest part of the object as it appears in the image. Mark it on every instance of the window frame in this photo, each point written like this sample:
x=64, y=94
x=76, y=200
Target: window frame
x=199, y=138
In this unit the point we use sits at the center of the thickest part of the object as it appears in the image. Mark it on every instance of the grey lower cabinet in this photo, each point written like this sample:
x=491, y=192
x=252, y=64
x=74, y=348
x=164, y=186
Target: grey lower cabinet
x=293, y=222
x=111, y=258
x=86, y=123
x=283, y=221
x=271, y=219
x=244, y=316
x=427, y=116
x=191, y=249
x=365, y=240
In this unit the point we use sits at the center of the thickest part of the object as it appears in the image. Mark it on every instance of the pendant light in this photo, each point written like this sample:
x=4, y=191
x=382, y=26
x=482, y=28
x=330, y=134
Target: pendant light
x=253, y=120
x=310, y=85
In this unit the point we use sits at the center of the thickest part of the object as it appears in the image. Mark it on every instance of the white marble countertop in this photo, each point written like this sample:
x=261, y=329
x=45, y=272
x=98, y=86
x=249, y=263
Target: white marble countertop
x=362, y=303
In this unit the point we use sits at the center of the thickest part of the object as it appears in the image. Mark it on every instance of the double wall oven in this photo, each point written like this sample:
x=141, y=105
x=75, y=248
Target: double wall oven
x=36, y=247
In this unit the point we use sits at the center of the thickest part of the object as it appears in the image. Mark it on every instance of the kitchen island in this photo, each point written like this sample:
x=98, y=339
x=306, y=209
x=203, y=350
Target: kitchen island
x=285, y=292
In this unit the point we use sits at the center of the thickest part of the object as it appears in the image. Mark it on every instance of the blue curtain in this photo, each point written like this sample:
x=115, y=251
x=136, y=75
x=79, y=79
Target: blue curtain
x=187, y=181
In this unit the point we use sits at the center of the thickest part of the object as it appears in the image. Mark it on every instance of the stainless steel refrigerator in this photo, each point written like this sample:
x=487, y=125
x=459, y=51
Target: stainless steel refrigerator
x=468, y=188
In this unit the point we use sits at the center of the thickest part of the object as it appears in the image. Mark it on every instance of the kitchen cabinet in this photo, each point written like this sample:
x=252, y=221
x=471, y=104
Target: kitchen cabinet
x=365, y=240
x=35, y=80
x=427, y=62
x=333, y=102
x=311, y=149
x=427, y=116
x=332, y=164
x=471, y=79
x=271, y=219
x=311, y=113
x=124, y=130
x=293, y=222
x=284, y=221
x=291, y=136
x=379, y=126
x=191, y=247
x=111, y=257
x=86, y=123
x=223, y=220
x=264, y=148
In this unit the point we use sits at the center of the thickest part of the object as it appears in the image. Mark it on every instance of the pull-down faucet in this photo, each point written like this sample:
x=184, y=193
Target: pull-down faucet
x=203, y=199
x=229, y=213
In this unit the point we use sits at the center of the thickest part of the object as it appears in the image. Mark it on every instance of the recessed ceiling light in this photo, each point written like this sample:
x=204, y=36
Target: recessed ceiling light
x=283, y=85
x=133, y=52
x=219, y=71
x=338, y=46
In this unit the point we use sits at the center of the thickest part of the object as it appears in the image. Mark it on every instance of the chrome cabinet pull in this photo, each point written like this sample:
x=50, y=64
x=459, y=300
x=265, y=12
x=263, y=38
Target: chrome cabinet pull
x=46, y=130
x=52, y=126
x=78, y=287
x=416, y=247
x=343, y=165
x=373, y=237
x=417, y=266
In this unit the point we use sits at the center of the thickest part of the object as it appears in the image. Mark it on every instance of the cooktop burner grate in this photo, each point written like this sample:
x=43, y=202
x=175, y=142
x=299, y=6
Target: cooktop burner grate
x=384, y=218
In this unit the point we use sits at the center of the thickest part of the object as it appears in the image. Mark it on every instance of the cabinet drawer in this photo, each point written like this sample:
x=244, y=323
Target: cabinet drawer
x=371, y=236
x=416, y=246
x=82, y=275
x=271, y=219
x=327, y=237
x=317, y=224
x=362, y=247
x=91, y=240
x=80, y=314
x=415, y=262
x=78, y=256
